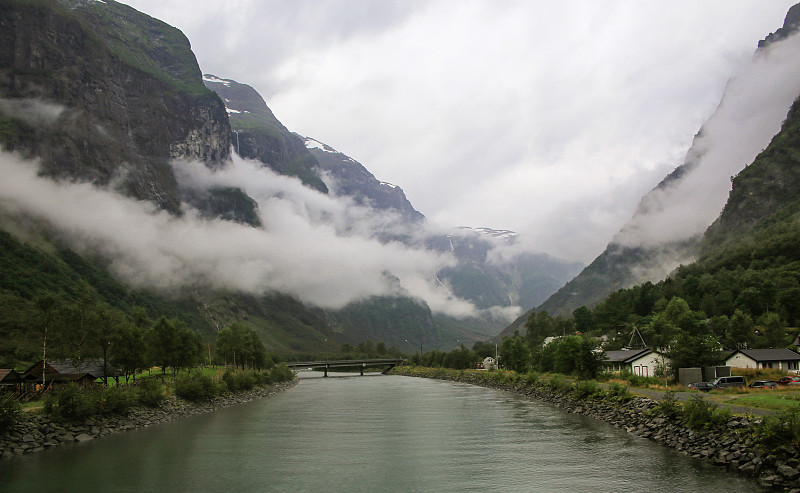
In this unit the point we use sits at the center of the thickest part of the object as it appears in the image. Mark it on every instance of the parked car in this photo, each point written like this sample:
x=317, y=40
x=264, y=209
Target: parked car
x=732, y=381
x=763, y=384
x=789, y=381
x=701, y=386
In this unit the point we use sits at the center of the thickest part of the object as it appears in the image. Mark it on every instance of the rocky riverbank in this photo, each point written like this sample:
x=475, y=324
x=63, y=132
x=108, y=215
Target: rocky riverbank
x=37, y=431
x=731, y=446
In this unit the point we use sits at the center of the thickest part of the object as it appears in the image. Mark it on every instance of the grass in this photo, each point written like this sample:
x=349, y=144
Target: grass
x=774, y=400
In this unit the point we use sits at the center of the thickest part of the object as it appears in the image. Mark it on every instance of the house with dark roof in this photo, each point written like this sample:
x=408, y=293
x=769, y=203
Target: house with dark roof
x=10, y=380
x=56, y=372
x=642, y=362
x=784, y=359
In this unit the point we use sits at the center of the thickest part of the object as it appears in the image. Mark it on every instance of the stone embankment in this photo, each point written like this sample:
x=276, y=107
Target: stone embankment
x=732, y=447
x=37, y=431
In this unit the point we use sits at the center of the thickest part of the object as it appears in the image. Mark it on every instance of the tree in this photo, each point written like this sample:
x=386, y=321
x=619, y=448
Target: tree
x=47, y=306
x=514, y=354
x=460, y=359
x=171, y=343
x=190, y=347
x=538, y=327
x=242, y=344
x=740, y=334
x=584, y=321
x=688, y=351
x=130, y=349
x=104, y=326
x=774, y=333
x=162, y=341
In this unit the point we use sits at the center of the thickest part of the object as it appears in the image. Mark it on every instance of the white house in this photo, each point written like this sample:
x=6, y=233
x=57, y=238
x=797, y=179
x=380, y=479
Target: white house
x=642, y=362
x=489, y=363
x=785, y=359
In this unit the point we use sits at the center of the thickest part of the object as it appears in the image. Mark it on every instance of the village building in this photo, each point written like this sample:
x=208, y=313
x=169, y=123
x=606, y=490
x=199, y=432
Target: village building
x=784, y=359
x=642, y=362
x=489, y=363
x=10, y=380
x=84, y=373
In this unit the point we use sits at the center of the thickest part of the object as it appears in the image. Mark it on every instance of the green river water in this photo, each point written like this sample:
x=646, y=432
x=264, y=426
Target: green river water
x=373, y=433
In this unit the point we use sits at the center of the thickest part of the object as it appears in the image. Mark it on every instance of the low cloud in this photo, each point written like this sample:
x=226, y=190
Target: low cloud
x=752, y=110
x=304, y=249
x=34, y=112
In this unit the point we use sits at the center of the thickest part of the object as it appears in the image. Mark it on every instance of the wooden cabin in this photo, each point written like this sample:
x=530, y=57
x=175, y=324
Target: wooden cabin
x=84, y=373
x=10, y=380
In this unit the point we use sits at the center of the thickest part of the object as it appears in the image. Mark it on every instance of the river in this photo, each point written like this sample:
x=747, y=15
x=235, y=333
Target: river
x=373, y=433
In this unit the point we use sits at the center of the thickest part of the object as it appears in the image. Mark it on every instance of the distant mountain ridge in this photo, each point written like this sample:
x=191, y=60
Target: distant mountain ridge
x=354, y=180
x=103, y=94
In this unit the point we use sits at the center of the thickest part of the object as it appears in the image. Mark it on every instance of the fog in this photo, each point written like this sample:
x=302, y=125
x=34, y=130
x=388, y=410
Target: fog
x=306, y=248
x=753, y=106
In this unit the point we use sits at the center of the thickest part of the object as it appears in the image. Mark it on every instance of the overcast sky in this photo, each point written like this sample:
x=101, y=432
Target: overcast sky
x=548, y=118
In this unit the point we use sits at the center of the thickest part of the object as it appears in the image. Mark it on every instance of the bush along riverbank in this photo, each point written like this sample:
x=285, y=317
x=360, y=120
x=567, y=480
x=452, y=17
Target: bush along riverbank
x=72, y=415
x=762, y=448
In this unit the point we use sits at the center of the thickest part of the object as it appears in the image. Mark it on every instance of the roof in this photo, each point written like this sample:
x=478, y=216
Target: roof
x=56, y=377
x=626, y=355
x=93, y=367
x=781, y=354
x=7, y=375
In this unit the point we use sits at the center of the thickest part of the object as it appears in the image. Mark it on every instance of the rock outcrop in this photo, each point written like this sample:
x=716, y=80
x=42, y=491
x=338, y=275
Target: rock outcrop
x=100, y=92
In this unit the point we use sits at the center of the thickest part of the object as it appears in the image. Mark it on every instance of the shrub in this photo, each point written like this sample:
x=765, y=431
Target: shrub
x=9, y=410
x=619, y=393
x=531, y=377
x=281, y=373
x=68, y=402
x=668, y=405
x=229, y=380
x=196, y=389
x=245, y=381
x=638, y=380
x=558, y=383
x=262, y=378
x=699, y=413
x=116, y=400
x=585, y=389
x=150, y=392
x=781, y=429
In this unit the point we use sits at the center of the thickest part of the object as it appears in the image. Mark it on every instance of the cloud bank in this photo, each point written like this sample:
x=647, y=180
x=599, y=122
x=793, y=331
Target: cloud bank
x=551, y=119
x=753, y=107
x=303, y=249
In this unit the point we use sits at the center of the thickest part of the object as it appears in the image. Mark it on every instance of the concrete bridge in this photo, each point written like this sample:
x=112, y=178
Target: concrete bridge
x=389, y=363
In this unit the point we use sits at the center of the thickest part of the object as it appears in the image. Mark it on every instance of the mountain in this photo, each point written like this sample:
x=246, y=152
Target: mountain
x=666, y=228
x=488, y=283
x=109, y=104
x=102, y=93
x=257, y=134
x=352, y=179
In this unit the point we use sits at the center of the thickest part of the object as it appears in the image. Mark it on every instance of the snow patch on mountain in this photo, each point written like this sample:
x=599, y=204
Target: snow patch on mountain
x=215, y=79
x=315, y=144
x=502, y=234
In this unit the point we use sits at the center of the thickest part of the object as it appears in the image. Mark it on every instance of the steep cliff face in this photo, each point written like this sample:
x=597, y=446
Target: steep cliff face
x=103, y=93
x=665, y=232
x=257, y=134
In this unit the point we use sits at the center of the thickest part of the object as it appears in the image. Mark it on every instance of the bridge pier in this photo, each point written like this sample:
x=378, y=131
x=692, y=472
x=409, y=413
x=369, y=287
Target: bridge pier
x=326, y=371
x=363, y=365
